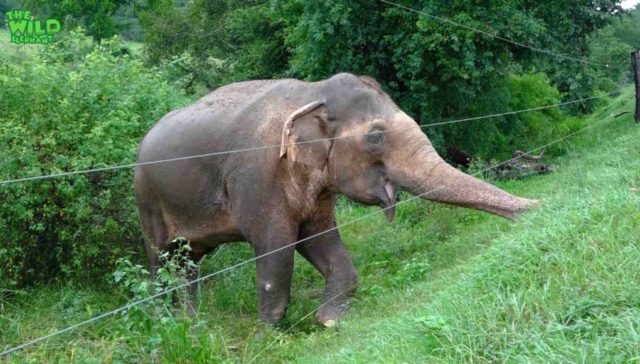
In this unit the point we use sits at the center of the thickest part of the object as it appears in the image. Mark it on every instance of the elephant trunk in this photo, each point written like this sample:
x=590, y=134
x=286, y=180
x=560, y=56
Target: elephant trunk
x=433, y=179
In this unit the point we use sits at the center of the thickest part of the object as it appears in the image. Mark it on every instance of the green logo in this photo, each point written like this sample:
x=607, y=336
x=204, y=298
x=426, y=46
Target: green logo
x=26, y=29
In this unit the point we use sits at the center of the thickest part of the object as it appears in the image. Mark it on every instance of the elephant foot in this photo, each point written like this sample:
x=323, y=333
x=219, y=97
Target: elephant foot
x=328, y=315
x=272, y=316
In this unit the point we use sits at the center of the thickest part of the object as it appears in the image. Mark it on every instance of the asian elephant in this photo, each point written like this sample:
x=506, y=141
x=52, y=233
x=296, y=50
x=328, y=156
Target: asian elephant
x=342, y=135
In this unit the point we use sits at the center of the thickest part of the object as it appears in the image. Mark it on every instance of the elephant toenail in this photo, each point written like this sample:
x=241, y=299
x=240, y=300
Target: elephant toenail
x=329, y=323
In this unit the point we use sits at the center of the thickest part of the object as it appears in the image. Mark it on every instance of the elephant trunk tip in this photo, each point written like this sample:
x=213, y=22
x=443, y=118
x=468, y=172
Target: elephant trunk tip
x=524, y=204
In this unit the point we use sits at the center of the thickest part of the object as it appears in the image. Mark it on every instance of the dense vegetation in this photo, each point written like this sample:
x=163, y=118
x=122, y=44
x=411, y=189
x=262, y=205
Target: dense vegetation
x=67, y=244
x=74, y=105
x=434, y=70
x=440, y=285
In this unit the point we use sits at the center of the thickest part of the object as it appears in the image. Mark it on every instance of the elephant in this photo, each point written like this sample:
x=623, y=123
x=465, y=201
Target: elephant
x=343, y=135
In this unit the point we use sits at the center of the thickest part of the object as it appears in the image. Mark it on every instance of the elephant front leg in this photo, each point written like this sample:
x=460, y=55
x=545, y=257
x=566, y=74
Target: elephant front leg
x=329, y=255
x=274, y=282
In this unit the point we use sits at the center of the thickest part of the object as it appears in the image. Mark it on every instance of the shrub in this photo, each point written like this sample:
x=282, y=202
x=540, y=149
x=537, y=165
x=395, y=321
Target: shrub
x=71, y=107
x=214, y=43
x=157, y=329
x=500, y=136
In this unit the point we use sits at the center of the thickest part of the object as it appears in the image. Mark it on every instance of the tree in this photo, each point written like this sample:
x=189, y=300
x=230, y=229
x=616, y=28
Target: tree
x=222, y=41
x=435, y=70
x=97, y=17
x=438, y=70
x=7, y=5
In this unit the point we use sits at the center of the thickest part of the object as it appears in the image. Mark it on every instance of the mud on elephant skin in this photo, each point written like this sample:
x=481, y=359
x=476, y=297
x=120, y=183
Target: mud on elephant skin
x=275, y=197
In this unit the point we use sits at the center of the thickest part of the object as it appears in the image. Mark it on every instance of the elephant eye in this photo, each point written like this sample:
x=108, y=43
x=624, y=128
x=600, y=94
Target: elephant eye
x=375, y=138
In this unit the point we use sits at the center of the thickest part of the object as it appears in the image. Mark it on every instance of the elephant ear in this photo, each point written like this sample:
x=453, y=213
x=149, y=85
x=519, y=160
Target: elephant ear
x=303, y=134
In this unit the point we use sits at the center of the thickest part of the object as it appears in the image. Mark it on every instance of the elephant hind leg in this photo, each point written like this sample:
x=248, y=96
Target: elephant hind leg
x=160, y=242
x=155, y=234
x=186, y=298
x=154, y=248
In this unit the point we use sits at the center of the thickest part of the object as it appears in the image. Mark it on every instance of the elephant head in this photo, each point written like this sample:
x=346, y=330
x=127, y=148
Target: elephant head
x=376, y=148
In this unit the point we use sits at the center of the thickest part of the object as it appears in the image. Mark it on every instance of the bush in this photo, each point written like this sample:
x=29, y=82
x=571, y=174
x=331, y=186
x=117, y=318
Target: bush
x=157, y=329
x=72, y=107
x=211, y=44
x=500, y=136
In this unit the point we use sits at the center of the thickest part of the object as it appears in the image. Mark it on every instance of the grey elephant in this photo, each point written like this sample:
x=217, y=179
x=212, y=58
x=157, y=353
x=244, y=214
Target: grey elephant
x=342, y=135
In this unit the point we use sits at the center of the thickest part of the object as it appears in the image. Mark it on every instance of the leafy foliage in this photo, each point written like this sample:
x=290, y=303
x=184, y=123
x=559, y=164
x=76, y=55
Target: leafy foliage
x=217, y=42
x=155, y=328
x=434, y=70
x=612, y=47
x=75, y=106
x=500, y=136
x=441, y=284
x=78, y=105
x=97, y=17
x=438, y=70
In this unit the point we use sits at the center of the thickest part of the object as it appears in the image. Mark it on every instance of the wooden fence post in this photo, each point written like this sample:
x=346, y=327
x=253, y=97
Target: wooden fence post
x=635, y=61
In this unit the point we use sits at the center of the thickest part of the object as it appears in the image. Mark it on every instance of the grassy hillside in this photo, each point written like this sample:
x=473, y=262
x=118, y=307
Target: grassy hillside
x=441, y=284
x=560, y=285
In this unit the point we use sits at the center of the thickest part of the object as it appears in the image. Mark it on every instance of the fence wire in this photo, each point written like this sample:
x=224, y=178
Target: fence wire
x=259, y=148
x=305, y=316
x=287, y=246
x=492, y=35
x=278, y=146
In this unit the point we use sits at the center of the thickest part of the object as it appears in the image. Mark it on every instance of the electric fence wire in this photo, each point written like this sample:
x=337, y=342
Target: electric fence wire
x=287, y=246
x=508, y=40
x=282, y=334
x=130, y=165
x=278, y=146
x=305, y=316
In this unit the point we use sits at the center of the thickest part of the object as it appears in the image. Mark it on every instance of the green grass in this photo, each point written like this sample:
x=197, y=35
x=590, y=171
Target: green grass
x=440, y=285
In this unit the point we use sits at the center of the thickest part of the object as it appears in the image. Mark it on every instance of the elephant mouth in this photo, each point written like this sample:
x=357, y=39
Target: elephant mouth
x=389, y=200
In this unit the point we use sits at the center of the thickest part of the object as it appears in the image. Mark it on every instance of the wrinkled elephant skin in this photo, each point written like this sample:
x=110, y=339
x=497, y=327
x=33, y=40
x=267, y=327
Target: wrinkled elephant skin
x=276, y=196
